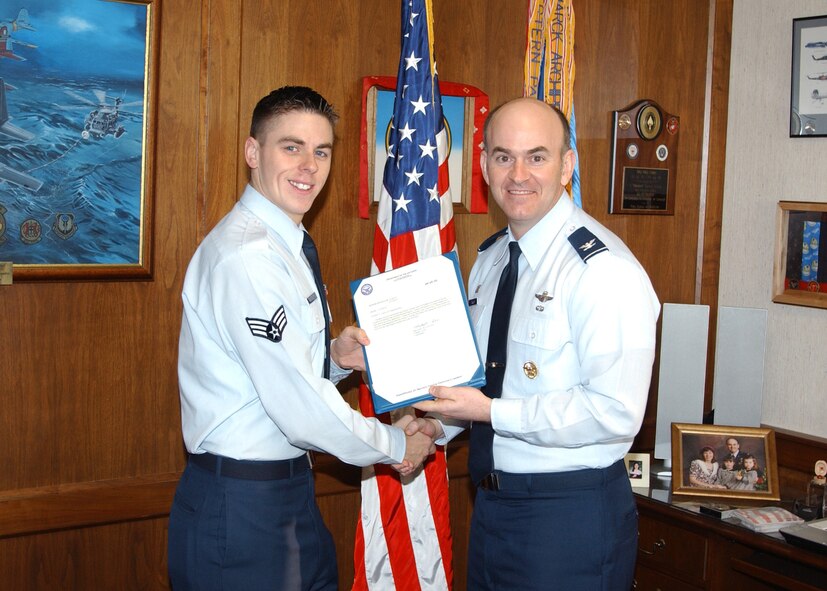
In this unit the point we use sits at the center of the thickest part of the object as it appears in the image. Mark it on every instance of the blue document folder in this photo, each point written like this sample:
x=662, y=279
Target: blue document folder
x=427, y=309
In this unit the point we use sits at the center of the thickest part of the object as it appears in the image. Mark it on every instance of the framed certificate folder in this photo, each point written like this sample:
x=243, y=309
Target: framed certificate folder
x=420, y=330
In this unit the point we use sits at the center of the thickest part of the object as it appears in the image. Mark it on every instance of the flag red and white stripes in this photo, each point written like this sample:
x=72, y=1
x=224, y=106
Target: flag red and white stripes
x=403, y=538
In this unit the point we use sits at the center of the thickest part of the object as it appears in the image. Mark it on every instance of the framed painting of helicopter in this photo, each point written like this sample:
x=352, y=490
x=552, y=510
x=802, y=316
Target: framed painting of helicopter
x=808, y=96
x=77, y=138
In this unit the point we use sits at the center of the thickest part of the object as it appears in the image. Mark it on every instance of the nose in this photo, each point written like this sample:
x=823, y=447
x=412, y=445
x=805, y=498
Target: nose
x=309, y=163
x=519, y=171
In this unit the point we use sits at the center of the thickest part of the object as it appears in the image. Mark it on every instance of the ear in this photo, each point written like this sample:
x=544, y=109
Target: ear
x=484, y=165
x=251, y=151
x=567, y=169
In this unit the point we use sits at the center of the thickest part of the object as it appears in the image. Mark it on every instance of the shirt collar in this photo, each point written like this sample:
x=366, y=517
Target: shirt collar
x=274, y=218
x=534, y=243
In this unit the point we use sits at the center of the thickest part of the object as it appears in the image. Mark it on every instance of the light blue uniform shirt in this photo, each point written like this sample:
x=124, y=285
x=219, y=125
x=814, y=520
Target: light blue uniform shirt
x=588, y=331
x=248, y=397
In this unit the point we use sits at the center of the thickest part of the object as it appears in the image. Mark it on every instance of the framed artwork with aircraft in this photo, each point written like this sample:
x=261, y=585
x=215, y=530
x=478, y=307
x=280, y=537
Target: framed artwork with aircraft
x=808, y=95
x=77, y=139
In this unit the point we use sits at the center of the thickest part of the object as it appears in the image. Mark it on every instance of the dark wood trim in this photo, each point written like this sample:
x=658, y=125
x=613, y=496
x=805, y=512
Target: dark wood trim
x=87, y=504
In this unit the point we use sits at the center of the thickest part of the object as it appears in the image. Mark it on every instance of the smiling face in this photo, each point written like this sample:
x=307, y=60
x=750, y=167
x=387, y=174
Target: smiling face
x=733, y=446
x=708, y=455
x=525, y=161
x=290, y=161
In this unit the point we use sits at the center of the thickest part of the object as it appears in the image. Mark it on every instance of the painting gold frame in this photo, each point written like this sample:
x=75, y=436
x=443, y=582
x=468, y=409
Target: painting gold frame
x=138, y=265
x=790, y=284
x=689, y=439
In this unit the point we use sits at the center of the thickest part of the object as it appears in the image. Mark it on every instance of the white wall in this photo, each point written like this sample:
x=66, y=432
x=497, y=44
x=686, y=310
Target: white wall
x=763, y=166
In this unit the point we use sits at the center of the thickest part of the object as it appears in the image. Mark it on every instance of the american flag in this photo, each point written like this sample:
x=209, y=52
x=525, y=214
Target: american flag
x=403, y=539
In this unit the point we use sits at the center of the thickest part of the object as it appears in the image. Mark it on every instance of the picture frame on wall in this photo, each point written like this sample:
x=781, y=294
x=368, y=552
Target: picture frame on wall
x=724, y=461
x=808, y=94
x=798, y=279
x=465, y=109
x=79, y=154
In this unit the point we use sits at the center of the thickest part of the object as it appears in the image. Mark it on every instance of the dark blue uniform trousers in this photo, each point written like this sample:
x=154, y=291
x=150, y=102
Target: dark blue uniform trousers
x=572, y=531
x=231, y=534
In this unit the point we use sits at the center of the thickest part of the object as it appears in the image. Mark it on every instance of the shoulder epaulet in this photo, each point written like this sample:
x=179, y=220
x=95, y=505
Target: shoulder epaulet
x=491, y=239
x=586, y=244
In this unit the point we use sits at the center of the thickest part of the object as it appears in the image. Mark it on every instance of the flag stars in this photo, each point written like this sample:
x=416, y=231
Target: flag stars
x=427, y=149
x=419, y=106
x=413, y=177
x=433, y=193
x=412, y=62
x=401, y=203
x=407, y=133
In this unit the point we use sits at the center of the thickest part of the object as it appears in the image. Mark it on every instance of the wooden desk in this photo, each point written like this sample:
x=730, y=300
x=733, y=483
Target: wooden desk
x=683, y=550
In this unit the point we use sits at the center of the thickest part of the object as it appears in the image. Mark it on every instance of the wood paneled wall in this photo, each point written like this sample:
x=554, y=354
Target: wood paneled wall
x=91, y=425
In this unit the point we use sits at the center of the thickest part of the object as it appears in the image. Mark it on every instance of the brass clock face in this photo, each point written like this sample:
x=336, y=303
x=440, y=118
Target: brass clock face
x=649, y=122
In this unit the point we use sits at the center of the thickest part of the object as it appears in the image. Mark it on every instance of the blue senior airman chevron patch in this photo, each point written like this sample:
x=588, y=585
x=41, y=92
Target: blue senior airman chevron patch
x=586, y=244
x=272, y=329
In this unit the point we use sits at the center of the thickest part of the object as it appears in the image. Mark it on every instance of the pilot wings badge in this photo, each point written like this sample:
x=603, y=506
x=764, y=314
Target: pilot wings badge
x=272, y=329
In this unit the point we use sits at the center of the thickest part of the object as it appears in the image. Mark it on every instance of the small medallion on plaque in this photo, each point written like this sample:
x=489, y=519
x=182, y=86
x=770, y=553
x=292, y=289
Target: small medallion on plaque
x=644, y=160
x=649, y=122
x=624, y=122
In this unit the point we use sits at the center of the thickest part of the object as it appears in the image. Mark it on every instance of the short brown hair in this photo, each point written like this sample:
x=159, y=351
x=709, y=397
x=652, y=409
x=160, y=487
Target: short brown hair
x=288, y=99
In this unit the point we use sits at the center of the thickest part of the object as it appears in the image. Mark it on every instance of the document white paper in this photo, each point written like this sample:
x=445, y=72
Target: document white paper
x=420, y=331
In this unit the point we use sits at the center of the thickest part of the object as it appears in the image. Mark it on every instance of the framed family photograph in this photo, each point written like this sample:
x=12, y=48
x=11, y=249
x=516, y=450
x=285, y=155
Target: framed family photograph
x=808, y=95
x=797, y=277
x=722, y=461
x=637, y=468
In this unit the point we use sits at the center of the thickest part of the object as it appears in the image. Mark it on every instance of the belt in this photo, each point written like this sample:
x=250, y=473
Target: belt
x=250, y=469
x=551, y=481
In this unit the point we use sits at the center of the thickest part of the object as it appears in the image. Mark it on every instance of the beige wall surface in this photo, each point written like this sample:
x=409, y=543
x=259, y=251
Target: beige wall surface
x=763, y=166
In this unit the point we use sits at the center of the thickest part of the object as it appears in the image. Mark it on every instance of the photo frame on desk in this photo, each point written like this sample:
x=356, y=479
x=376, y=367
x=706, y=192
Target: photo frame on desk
x=637, y=468
x=797, y=277
x=465, y=109
x=699, y=468
x=77, y=204
x=808, y=93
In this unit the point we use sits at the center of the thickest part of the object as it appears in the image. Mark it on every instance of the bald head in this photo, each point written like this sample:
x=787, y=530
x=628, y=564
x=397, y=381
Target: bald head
x=532, y=108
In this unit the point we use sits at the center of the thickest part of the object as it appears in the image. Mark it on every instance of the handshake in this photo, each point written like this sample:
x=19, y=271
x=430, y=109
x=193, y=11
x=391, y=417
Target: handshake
x=420, y=434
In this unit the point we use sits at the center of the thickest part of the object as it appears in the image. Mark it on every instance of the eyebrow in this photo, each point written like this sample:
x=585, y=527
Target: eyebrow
x=529, y=152
x=294, y=140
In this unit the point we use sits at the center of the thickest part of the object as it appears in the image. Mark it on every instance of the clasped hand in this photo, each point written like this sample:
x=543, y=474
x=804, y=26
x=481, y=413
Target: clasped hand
x=419, y=439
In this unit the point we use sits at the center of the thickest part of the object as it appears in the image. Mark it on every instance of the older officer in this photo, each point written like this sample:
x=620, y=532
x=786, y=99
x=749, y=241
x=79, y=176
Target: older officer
x=568, y=371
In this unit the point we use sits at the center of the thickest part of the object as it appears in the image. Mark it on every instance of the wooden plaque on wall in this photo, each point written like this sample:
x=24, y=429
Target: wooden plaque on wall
x=644, y=160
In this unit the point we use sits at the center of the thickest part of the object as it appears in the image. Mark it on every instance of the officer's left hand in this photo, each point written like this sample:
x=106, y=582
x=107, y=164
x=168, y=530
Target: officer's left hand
x=346, y=350
x=462, y=402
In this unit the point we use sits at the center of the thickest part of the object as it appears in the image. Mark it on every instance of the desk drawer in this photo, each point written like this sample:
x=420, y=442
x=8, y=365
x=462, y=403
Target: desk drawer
x=673, y=550
x=647, y=579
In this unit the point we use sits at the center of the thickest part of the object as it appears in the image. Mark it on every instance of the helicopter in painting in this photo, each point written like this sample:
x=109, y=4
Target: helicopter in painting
x=104, y=119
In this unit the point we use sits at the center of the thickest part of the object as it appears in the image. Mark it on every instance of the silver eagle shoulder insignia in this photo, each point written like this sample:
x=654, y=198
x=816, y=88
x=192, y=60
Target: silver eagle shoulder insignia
x=586, y=244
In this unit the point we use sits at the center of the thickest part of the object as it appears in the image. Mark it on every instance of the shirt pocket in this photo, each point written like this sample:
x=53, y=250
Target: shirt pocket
x=534, y=332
